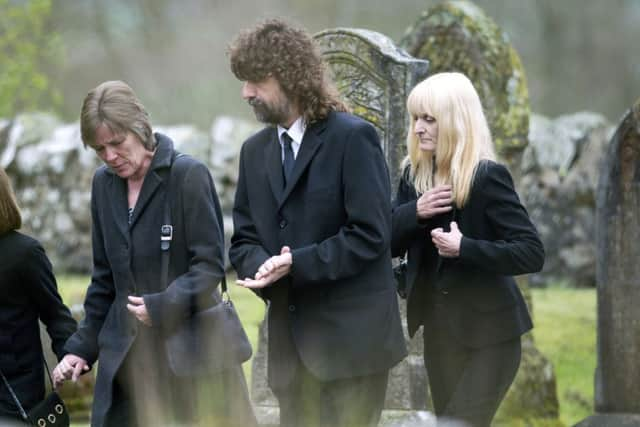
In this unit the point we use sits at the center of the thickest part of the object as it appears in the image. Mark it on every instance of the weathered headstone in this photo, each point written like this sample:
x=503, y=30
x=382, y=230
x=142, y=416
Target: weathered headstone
x=617, y=384
x=375, y=77
x=459, y=36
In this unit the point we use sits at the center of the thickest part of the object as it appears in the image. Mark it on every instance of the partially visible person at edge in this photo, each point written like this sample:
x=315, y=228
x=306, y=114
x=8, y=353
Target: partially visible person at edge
x=28, y=293
x=127, y=312
x=457, y=215
x=312, y=226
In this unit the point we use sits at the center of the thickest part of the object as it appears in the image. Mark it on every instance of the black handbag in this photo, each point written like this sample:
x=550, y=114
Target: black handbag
x=400, y=276
x=51, y=412
x=210, y=340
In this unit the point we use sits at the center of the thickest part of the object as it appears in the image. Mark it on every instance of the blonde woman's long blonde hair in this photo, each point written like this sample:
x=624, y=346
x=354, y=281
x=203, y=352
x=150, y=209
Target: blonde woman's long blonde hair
x=463, y=138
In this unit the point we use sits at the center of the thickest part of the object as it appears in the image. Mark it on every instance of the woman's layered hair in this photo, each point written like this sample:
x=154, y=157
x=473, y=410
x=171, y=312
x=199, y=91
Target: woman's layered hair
x=463, y=137
x=115, y=105
x=10, y=218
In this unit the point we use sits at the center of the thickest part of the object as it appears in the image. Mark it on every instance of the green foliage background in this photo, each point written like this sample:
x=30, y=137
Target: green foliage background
x=29, y=50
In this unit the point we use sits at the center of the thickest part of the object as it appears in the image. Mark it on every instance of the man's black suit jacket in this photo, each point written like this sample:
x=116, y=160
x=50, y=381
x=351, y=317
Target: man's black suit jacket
x=499, y=241
x=338, y=303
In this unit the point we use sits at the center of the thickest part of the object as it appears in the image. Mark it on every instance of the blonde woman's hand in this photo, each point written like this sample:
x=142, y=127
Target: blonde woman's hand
x=436, y=201
x=447, y=243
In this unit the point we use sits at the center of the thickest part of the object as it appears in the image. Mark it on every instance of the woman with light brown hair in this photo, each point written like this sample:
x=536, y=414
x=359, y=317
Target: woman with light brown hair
x=144, y=194
x=28, y=293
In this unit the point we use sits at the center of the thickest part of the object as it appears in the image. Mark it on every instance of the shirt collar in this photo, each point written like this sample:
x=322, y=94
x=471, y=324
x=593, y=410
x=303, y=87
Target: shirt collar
x=295, y=131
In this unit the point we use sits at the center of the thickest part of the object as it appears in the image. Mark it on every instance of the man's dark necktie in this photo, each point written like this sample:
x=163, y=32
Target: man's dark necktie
x=287, y=164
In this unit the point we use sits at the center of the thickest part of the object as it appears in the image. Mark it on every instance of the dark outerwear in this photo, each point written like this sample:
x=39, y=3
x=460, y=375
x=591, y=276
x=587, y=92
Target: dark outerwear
x=337, y=308
x=28, y=293
x=483, y=302
x=127, y=261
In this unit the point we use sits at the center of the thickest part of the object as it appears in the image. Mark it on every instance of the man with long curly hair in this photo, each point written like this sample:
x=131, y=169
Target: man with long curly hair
x=312, y=222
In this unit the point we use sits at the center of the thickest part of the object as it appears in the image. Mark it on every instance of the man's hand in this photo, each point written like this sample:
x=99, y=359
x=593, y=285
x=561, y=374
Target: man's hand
x=448, y=244
x=270, y=271
x=70, y=367
x=137, y=308
x=434, y=202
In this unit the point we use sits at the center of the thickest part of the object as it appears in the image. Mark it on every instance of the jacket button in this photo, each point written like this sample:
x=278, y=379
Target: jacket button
x=283, y=223
x=292, y=308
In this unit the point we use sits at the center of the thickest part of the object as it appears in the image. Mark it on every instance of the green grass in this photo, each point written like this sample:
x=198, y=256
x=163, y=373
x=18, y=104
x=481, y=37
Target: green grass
x=565, y=332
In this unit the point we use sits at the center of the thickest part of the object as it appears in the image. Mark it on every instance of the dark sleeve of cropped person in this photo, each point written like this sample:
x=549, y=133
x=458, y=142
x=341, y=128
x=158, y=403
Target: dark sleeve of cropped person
x=42, y=288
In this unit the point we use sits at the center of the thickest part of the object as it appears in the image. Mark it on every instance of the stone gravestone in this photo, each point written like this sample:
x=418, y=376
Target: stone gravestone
x=375, y=77
x=617, y=382
x=459, y=36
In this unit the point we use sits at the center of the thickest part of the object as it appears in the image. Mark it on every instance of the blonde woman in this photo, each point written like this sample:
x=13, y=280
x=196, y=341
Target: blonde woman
x=466, y=234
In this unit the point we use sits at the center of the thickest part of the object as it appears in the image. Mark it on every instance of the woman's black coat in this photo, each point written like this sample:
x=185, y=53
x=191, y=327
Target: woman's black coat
x=499, y=241
x=28, y=293
x=127, y=261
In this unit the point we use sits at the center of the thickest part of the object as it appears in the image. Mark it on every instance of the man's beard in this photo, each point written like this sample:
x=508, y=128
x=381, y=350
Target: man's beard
x=270, y=114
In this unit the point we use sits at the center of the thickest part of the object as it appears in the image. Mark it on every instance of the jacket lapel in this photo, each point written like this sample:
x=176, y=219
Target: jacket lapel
x=151, y=183
x=311, y=142
x=159, y=168
x=119, y=204
x=273, y=159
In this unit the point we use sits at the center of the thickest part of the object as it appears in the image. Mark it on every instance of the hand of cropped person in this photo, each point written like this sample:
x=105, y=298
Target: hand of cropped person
x=434, y=202
x=447, y=243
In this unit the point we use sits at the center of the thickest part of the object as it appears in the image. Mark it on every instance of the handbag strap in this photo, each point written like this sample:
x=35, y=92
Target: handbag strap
x=23, y=413
x=166, y=235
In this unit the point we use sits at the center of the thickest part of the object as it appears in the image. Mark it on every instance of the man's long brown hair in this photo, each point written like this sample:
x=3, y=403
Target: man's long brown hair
x=275, y=48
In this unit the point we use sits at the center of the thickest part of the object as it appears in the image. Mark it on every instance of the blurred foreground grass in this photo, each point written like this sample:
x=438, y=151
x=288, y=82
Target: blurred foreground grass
x=565, y=332
x=250, y=308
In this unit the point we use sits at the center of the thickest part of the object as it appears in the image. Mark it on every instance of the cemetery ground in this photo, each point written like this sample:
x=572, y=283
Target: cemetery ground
x=565, y=332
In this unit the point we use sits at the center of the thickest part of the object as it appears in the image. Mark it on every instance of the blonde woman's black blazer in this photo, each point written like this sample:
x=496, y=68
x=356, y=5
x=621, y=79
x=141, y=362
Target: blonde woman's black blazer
x=484, y=304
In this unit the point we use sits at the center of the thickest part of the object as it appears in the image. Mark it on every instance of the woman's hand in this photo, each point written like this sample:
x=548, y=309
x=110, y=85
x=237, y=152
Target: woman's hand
x=137, y=308
x=434, y=202
x=447, y=243
x=70, y=367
